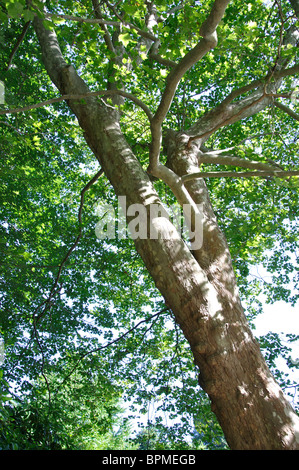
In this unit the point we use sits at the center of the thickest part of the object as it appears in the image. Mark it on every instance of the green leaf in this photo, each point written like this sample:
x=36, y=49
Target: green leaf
x=102, y=291
x=125, y=38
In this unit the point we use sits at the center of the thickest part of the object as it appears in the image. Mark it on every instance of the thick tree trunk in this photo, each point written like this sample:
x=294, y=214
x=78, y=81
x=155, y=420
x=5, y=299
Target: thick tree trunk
x=200, y=288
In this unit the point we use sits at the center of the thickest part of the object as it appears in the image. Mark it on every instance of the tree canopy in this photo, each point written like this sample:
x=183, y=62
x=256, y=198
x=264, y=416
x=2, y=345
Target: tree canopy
x=90, y=342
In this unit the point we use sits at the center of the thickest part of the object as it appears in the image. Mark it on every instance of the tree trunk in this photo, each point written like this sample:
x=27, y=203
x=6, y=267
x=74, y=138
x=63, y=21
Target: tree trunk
x=199, y=287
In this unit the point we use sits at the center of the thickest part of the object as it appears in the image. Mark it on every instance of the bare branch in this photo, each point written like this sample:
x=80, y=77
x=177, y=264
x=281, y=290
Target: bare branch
x=158, y=58
x=210, y=24
x=98, y=15
x=263, y=90
x=58, y=99
x=278, y=56
x=294, y=70
x=287, y=110
x=101, y=22
x=208, y=42
x=239, y=174
x=222, y=159
x=227, y=113
x=241, y=91
x=258, y=83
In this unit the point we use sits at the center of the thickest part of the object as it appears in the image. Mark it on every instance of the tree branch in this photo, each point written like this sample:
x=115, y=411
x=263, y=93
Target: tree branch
x=208, y=41
x=263, y=89
x=153, y=54
x=58, y=99
x=151, y=21
x=17, y=44
x=257, y=84
x=47, y=302
x=210, y=24
x=239, y=174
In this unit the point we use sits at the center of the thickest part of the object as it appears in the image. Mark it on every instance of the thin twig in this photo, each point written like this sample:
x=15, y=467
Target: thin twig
x=58, y=99
x=287, y=110
x=43, y=361
x=47, y=302
x=239, y=174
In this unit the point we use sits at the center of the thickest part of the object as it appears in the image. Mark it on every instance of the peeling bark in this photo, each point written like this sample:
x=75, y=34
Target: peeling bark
x=233, y=371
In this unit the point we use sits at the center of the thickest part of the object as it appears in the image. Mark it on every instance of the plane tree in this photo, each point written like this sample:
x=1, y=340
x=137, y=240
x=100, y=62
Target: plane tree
x=191, y=103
